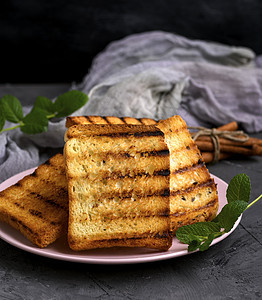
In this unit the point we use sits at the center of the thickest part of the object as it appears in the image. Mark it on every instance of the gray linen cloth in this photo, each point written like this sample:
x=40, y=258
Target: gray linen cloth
x=156, y=75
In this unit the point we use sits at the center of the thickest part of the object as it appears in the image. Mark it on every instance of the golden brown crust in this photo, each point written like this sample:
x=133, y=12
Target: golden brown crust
x=159, y=243
x=84, y=130
x=70, y=121
x=37, y=205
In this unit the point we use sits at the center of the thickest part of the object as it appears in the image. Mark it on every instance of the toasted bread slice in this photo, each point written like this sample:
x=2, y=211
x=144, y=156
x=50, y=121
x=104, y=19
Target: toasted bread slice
x=193, y=191
x=118, y=185
x=38, y=204
x=81, y=120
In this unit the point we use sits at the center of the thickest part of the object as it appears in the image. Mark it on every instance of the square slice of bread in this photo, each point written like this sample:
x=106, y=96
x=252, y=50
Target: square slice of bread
x=118, y=186
x=37, y=205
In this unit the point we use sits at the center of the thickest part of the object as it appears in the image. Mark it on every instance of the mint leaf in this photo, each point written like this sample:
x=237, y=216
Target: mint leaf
x=204, y=246
x=198, y=231
x=69, y=102
x=35, y=122
x=199, y=235
x=12, y=109
x=239, y=188
x=194, y=245
x=44, y=104
x=230, y=213
x=43, y=110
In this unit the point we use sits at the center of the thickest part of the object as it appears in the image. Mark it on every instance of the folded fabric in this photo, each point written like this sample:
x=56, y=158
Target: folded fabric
x=203, y=94
x=162, y=46
x=17, y=154
x=156, y=75
x=159, y=74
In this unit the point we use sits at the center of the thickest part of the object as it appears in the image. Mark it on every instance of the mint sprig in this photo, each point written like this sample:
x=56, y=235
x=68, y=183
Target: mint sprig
x=36, y=121
x=200, y=235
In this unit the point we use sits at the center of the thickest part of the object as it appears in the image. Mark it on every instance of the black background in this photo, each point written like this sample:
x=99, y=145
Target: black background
x=55, y=41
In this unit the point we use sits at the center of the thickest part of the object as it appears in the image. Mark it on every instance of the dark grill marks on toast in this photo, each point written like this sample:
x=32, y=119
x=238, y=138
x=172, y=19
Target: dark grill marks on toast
x=198, y=165
x=70, y=121
x=150, y=157
x=38, y=204
x=25, y=227
x=184, y=172
x=51, y=201
x=119, y=135
x=124, y=204
x=211, y=203
x=207, y=183
x=158, y=235
x=60, y=191
x=96, y=120
x=124, y=155
x=155, y=153
x=123, y=120
x=134, y=241
x=190, y=183
x=116, y=130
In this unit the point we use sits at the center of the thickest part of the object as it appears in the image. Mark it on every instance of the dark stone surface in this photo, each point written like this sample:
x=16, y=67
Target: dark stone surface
x=55, y=41
x=231, y=269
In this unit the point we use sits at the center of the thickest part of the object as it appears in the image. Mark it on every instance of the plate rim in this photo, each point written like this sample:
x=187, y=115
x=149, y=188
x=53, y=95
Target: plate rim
x=91, y=259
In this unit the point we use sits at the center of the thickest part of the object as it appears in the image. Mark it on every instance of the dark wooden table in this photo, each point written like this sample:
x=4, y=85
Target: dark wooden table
x=231, y=269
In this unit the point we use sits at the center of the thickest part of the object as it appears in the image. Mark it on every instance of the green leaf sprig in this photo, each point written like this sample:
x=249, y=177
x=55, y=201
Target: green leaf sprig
x=200, y=235
x=36, y=121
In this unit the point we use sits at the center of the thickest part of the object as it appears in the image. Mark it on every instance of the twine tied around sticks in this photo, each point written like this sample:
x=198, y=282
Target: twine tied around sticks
x=236, y=136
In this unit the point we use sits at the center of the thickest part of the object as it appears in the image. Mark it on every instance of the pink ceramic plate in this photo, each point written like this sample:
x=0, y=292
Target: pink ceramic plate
x=60, y=249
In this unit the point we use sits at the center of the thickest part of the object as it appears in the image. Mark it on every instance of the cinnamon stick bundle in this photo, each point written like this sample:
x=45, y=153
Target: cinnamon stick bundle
x=241, y=150
x=227, y=147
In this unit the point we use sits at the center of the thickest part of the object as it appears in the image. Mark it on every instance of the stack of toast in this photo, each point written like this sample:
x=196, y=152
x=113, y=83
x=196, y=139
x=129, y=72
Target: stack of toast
x=130, y=182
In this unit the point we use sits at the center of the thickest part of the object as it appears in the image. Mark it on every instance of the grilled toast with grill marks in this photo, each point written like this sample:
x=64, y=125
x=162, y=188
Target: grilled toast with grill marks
x=37, y=205
x=81, y=120
x=194, y=199
x=193, y=191
x=118, y=185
